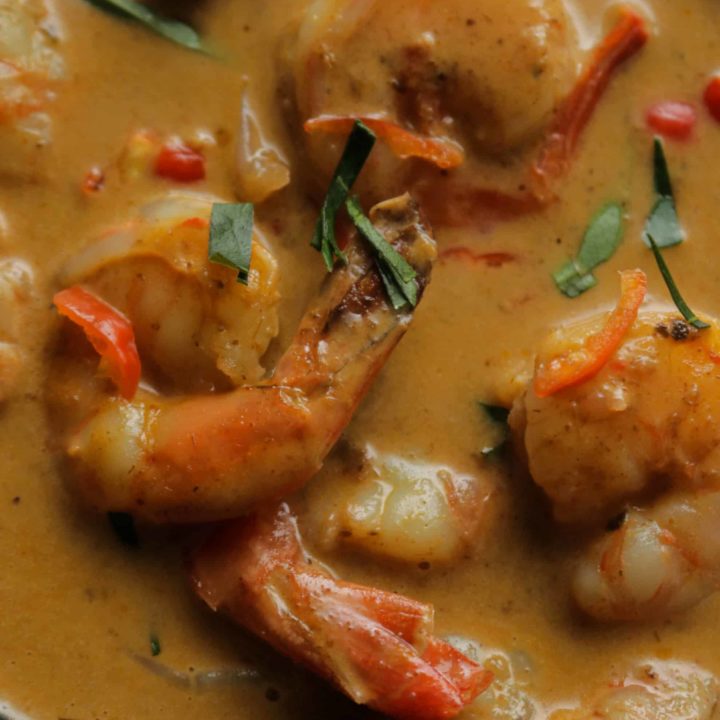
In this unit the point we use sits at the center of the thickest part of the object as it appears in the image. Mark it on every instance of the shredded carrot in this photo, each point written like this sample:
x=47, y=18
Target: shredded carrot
x=109, y=332
x=404, y=143
x=580, y=364
x=623, y=41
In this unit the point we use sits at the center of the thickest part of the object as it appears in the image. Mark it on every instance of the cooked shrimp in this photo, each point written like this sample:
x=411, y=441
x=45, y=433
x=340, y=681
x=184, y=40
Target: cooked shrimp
x=661, y=560
x=506, y=698
x=16, y=294
x=648, y=418
x=451, y=81
x=209, y=457
x=196, y=327
x=376, y=646
x=646, y=423
x=407, y=510
x=656, y=690
x=30, y=67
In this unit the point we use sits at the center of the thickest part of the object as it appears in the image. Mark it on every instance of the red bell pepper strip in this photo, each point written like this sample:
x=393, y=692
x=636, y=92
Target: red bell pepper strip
x=404, y=143
x=624, y=40
x=674, y=120
x=711, y=97
x=577, y=365
x=109, y=332
x=176, y=161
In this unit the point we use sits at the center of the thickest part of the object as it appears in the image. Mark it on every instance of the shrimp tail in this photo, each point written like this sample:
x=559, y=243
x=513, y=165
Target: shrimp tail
x=376, y=646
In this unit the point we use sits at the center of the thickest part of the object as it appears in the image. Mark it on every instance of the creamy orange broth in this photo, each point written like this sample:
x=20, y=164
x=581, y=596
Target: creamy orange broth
x=77, y=606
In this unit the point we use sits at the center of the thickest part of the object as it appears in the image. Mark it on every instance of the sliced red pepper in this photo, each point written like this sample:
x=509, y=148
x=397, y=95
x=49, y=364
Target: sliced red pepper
x=404, y=143
x=623, y=41
x=674, y=120
x=176, y=161
x=711, y=97
x=580, y=364
x=109, y=332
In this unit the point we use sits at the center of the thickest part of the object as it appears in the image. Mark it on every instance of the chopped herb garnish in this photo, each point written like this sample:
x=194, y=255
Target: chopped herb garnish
x=601, y=239
x=497, y=417
x=173, y=30
x=663, y=223
x=155, y=647
x=123, y=525
x=231, y=231
x=682, y=306
x=356, y=152
x=397, y=274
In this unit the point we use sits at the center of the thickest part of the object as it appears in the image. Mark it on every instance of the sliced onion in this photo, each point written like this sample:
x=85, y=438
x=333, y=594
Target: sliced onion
x=260, y=168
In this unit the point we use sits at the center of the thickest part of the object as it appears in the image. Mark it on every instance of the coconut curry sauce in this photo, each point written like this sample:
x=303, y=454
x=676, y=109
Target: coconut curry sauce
x=569, y=551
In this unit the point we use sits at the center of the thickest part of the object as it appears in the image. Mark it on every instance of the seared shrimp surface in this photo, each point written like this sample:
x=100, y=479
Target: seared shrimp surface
x=30, y=67
x=209, y=457
x=635, y=446
x=655, y=690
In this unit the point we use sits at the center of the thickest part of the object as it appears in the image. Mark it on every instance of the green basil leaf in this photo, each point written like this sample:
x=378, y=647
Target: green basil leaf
x=661, y=173
x=391, y=264
x=601, y=240
x=678, y=299
x=231, y=231
x=123, y=525
x=662, y=223
x=357, y=149
x=173, y=30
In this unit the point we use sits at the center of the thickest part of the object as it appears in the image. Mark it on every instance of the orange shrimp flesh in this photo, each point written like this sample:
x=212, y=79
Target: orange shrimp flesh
x=376, y=646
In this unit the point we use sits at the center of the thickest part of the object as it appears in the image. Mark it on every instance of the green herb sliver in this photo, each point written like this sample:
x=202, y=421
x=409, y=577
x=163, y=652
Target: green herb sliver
x=231, y=231
x=601, y=240
x=682, y=306
x=397, y=274
x=155, y=647
x=173, y=30
x=497, y=416
x=356, y=152
x=123, y=525
x=662, y=223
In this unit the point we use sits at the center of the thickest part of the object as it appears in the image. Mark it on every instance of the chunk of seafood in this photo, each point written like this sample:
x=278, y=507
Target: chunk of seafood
x=406, y=510
x=489, y=73
x=376, y=646
x=16, y=294
x=644, y=430
x=195, y=326
x=209, y=457
x=648, y=418
x=663, y=559
x=30, y=68
x=654, y=691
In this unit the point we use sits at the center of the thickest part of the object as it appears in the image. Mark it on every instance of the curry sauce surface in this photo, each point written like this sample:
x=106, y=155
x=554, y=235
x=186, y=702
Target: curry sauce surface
x=78, y=607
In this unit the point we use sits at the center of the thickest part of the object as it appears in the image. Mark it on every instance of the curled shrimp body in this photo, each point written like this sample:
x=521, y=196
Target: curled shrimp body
x=16, y=295
x=499, y=88
x=411, y=511
x=642, y=433
x=197, y=328
x=376, y=646
x=427, y=71
x=30, y=67
x=211, y=456
x=662, y=560
x=655, y=690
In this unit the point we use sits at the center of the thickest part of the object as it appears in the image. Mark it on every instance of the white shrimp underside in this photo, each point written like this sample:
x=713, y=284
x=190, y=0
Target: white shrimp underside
x=403, y=509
